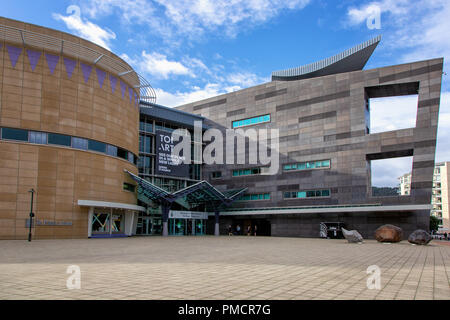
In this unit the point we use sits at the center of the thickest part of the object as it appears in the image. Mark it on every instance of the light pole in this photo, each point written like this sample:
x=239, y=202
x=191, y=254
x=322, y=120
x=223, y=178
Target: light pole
x=31, y=213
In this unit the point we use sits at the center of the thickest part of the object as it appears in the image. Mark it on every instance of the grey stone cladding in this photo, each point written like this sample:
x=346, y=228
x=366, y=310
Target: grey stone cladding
x=327, y=118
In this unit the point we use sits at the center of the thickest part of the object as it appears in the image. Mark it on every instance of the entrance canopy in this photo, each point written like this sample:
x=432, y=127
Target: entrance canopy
x=197, y=194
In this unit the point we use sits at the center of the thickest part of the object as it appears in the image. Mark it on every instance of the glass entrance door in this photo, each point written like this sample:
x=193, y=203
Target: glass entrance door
x=149, y=225
x=187, y=227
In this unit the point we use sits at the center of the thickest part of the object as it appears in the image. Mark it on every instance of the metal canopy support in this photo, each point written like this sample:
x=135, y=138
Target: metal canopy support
x=217, y=226
x=165, y=207
x=200, y=193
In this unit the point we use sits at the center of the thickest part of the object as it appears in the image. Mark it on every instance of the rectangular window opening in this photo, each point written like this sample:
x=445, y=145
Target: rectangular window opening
x=391, y=176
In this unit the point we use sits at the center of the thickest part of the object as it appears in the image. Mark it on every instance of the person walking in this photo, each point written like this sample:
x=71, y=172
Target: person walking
x=254, y=230
x=238, y=229
x=249, y=230
x=230, y=230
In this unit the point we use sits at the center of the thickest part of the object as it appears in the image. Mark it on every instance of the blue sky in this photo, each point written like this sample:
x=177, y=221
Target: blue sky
x=194, y=49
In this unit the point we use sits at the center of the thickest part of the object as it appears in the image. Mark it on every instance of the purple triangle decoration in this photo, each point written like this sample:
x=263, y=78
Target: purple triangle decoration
x=33, y=57
x=113, y=82
x=100, y=77
x=70, y=66
x=14, y=54
x=135, y=98
x=130, y=92
x=123, y=88
x=52, y=61
x=86, y=69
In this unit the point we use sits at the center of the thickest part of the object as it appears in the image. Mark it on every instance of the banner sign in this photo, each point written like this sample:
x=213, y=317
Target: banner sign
x=174, y=214
x=166, y=163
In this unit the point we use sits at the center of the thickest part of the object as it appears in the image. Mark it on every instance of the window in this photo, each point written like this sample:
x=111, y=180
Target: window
x=307, y=194
x=391, y=107
x=111, y=150
x=14, y=134
x=122, y=153
x=251, y=121
x=254, y=197
x=67, y=141
x=59, y=139
x=97, y=146
x=145, y=144
x=144, y=165
x=38, y=137
x=308, y=165
x=130, y=157
x=384, y=173
x=129, y=187
x=79, y=143
x=216, y=174
x=246, y=172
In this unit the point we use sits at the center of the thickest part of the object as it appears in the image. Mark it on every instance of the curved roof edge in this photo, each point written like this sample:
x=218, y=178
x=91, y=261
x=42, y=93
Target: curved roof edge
x=352, y=59
x=112, y=64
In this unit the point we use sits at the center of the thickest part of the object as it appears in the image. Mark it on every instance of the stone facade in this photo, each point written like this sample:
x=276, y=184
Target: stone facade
x=327, y=118
x=42, y=95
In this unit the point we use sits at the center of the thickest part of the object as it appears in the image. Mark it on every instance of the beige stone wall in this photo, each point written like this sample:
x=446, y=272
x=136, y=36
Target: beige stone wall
x=42, y=101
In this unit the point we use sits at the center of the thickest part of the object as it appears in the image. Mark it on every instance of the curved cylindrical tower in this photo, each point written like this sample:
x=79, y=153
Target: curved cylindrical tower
x=69, y=117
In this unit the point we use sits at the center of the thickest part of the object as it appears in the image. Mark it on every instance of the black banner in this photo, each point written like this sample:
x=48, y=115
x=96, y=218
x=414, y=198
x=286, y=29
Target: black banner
x=166, y=163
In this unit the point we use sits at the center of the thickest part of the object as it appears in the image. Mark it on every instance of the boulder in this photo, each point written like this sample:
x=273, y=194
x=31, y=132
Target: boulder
x=352, y=236
x=420, y=237
x=389, y=233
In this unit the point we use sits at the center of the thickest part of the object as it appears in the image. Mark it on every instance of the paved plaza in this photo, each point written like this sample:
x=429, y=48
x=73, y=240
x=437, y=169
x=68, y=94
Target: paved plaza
x=222, y=268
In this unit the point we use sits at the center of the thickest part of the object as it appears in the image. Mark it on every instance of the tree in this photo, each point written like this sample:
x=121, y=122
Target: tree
x=434, y=223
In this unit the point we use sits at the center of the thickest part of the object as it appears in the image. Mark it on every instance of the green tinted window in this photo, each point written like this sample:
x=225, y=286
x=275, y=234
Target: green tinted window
x=14, y=134
x=96, y=146
x=251, y=121
x=59, y=139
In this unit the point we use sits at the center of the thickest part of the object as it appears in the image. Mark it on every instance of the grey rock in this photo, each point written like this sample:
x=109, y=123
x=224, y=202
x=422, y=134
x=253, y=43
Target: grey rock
x=352, y=236
x=420, y=237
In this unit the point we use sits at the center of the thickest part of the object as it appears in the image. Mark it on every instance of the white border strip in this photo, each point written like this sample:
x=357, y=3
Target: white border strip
x=116, y=205
x=329, y=210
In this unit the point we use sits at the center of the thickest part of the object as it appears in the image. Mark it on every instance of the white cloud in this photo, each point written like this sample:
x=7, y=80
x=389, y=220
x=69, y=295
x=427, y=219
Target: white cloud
x=393, y=113
x=245, y=79
x=191, y=18
x=86, y=29
x=359, y=15
x=157, y=65
x=420, y=26
x=179, y=98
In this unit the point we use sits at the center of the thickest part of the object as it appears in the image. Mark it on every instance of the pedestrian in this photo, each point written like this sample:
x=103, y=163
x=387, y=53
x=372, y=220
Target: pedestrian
x=249, y=230
x=230, y=230
x=446, y=236
x=238, y=229
x=254, y=230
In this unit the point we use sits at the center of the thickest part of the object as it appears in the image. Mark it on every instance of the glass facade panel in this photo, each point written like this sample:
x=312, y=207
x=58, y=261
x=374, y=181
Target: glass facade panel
x=307, y=194
x=38, y=137
x=251, y=121
x=111, y=150
x=97, y=146
x=79, y=143
x=59, y=139
x=14, y=134
x=254, y=197
x=307, y=165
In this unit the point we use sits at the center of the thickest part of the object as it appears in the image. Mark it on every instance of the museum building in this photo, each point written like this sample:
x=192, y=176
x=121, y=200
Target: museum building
x=82, y=130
